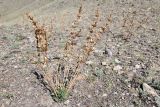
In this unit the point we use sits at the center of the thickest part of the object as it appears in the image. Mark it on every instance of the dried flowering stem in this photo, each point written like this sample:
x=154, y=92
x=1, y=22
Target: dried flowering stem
x=91, y=41
x=41, y=37
x=50, y=80
x=74, y=32
x=62, y=79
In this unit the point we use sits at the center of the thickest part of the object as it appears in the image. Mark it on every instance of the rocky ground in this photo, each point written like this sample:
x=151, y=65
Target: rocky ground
x=122, y=71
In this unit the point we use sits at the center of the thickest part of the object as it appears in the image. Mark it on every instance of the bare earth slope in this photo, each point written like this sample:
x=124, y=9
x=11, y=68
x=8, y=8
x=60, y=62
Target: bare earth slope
x=127, y=56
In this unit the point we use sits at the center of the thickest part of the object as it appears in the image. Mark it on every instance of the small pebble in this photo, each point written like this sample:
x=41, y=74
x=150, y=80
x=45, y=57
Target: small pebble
x=66, y=102
x=89, y=62
x=137, y=66
x=120, y=72
x=98, y=51
x=117, y=61
x=131, y=75
x=104, y=63
x=15, y=66
x=109, y=52
x=149, y=90
x=89, y=96
x=115, y=93
x=104, y=95
x=117, y=68
x=79, y=104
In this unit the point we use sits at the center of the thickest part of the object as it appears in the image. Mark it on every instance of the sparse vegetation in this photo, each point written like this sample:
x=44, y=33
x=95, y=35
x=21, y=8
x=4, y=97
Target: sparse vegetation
x=61, y=82
x=80, y=53
x=6, y=95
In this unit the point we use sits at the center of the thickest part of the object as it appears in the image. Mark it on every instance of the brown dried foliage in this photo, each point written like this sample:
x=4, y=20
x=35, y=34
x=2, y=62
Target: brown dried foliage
x=94, y=35
x=40, y=35
x=67, y=75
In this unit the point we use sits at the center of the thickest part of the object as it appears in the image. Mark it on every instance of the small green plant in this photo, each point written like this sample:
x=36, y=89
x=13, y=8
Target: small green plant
x=60, y=95
x=6, y=95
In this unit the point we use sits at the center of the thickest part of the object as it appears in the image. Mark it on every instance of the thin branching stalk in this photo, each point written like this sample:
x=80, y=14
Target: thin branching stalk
x=62, y=79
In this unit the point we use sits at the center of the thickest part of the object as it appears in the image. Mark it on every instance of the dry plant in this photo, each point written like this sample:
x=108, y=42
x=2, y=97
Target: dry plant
x=62, y=79
x=42, y=47
x=94, y=35
x=41, y=35
x=131, y=24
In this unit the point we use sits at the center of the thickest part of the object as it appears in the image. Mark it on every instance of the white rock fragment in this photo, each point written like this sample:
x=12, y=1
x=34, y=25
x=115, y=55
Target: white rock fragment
x=137, y=66
x=104, y=63
x=130, y=75
x=109, y=52
x=117, y=68
x=117, y=61
x=89, y=62
x=16, y=67
x=120, y=72
x=104, y=95
x=98, y=51
x=115, y=93
x=66, y=102
x=89, y=96
x=79, y=104
x=149, y=90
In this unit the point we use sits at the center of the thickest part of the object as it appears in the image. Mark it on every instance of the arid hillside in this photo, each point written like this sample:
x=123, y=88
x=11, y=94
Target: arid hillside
x=79, y=53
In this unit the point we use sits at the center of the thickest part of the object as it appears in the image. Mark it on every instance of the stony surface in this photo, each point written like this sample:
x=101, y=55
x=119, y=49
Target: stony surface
x=127, y=56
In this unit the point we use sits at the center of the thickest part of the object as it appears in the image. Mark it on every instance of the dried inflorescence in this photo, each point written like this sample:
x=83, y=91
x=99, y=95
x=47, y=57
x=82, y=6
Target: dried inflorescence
x=40, y=35
x=60, y=81
x=94, y=35
x=69, y=49
x=75, y=31
x=131, y=23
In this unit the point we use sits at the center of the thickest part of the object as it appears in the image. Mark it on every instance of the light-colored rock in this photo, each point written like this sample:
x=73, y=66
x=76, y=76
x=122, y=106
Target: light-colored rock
x=89, y=62
x=137, y=66
x=115, y=93
x=117, y=61
x=120, y=72
x=89, y=96
x=104, y=95
x=79, y=104
x=66, y=102
x=104, y=63
x=109, y=52
x=130, y=75
x=149, y=89
x=98, y=51
x=117, y=68
x=16, y=66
